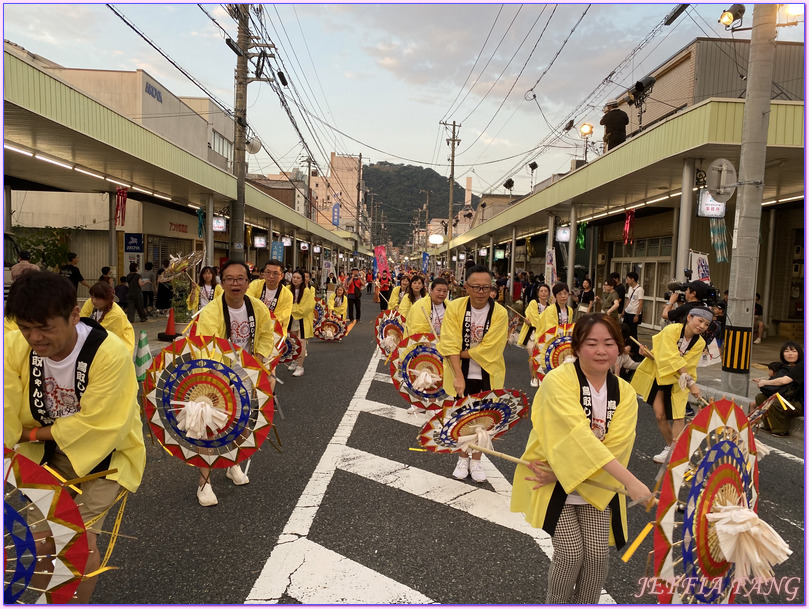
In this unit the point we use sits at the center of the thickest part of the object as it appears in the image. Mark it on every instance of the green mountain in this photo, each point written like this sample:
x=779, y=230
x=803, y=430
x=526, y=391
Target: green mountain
x=397, y=194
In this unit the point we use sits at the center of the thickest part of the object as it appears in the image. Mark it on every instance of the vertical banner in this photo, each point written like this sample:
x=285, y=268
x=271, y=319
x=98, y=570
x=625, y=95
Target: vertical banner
x=425, y=261
x=335, y=214
x=700, y=266
x=328, y=267
x=381, y=259
x=277, y=251
x=550, y=266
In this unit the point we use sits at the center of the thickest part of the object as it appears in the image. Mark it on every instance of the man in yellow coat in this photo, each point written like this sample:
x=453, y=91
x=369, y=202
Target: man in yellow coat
x=276, y=297
x=70, y=398
x=246, y=322
x=473, y=338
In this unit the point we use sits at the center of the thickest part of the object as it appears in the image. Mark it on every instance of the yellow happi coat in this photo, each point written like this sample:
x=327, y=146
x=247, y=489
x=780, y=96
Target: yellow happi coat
x=114, y=321
x=305, y=312
x=404, y=305
x=393, y=301
x=339, y=311
x=562, y=437
x=108, y=419
x=488, y=354
x=664, y=368
x=283, y=308
x=532, y=320
x=550, y=318
x=9, y=325
x=212, y=323
x=192, y=302
x=421, y=315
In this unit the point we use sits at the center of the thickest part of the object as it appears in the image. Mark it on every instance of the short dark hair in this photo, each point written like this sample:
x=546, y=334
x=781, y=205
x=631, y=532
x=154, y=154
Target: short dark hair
x=584, y=325
x=615, y=275
x=133, y=266
x=72, y=256
x=25, y=255
x=37, y=297
x=610, y=281
x=787, y=345
x=148, y=266
x=558, y=287
x=229, y=263
x=775, y=367
x=438, y=281
x=477, y=269
x=102, y=290
x=105, y=270
x=633, y=275
x=274, y=262
x=700, y=289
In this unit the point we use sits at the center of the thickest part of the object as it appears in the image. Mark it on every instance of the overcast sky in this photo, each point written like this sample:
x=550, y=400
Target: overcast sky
x=387, y=75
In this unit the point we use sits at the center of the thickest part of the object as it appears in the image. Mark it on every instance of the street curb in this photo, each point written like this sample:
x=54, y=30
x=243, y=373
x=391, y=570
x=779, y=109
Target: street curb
x=795, y=427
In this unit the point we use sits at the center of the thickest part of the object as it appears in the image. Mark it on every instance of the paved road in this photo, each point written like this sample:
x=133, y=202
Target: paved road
x=349, y=514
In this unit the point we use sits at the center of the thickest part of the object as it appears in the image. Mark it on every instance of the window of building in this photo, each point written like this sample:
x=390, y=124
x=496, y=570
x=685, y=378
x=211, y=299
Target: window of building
x=221, y=145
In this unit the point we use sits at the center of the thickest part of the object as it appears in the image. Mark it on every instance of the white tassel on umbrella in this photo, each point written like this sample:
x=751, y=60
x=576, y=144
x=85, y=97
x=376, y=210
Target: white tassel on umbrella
x=195, y=418
x=482, y=438
x=329, y=333
x=426, y=380
x=389, y=344
x=747, y=541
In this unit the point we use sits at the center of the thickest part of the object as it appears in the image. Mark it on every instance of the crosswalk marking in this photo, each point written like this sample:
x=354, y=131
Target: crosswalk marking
x=306, y=571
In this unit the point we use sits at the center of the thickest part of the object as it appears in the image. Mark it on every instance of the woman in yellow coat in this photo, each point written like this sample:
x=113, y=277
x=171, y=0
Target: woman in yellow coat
x=101, y=307
x=203, y=292
x=338, y=305
x=532, y=326
x=666, y=381
x=415, y=291
x=397, y=292
x=583, y=421
x=302, y=320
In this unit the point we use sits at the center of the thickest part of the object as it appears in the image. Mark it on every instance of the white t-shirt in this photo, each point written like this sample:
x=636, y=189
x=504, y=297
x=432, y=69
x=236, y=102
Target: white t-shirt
x=478, y=323
x=633, y=298
x=205, y=294
x=598, y=401
x=60, y=379
x=240, y=328
x=562, y=314
x=269, y=295
x=438, y=317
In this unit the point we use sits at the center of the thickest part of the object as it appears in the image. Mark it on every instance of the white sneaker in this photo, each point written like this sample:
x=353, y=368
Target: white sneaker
x=461, y=469
x=757, y=341
x=236, y=474
x=292, y=367
x=476, y=469
x=662, y=455
x=205, y=495
x=298, y=371
x=534, y=382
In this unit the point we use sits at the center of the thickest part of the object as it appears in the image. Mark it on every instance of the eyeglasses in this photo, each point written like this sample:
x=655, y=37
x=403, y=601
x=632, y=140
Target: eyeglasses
x=273, y=273
x=234, y=280
x=479, y=288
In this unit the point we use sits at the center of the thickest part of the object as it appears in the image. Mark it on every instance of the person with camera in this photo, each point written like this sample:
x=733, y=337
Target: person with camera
x=696, y=293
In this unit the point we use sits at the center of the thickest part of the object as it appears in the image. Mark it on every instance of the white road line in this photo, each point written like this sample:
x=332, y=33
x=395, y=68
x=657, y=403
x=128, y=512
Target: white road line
x=313, y=574
x=383, y=378
x=781, y=453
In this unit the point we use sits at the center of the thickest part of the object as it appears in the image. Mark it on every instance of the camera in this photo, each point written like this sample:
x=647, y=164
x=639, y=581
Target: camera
x=711, y=297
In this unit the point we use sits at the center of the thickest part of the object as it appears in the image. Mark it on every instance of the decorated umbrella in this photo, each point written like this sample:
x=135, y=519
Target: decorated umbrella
x=390, y=330
x=208, y=402
x=758, y=413
x=179, y=265
x=319, y=312
x=37, y=503
x=331, y=328
x=512, y=329
x=552, y=349
x=713, y=472
x=291, y=349
x=279, y=347
x=476, y=419
x=417, y=369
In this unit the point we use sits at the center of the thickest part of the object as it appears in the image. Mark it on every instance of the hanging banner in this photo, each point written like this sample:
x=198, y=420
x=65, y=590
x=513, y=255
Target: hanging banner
x=700, y=267
x=277, y=251
x=328, y=267
x=550, y=266
x=335, y=214
x=120, y=207
x=425, y=261
x=381, y=259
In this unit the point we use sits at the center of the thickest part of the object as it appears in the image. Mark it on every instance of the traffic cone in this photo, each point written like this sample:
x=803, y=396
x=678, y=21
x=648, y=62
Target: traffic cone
x=170, y=334
x=143, y=356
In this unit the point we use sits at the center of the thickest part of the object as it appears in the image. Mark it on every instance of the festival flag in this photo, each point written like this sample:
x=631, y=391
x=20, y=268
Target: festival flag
x=381, y=259
x=143, y=357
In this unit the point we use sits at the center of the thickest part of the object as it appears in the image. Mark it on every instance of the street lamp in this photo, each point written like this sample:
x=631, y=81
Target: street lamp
x=586, y=130
x=436, y=239
x=731, y=16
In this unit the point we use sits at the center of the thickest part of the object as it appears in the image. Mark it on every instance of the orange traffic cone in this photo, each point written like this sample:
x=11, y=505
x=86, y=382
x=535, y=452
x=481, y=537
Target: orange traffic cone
x=170, y=334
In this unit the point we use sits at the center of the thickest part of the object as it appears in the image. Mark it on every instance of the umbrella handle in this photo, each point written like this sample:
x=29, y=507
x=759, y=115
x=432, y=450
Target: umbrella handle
x=606, y=487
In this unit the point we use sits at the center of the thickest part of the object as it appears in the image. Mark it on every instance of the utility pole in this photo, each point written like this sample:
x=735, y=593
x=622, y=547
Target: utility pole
x=309, y=207
x=241, y=12
x=453, y=141
x=236, y=251
x=747, y=224
x=359, y=189
x=426, y=214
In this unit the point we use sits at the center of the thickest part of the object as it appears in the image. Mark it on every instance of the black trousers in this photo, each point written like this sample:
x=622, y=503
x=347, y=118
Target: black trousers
x=633, y=330
x=384, y=297
x=354, y=303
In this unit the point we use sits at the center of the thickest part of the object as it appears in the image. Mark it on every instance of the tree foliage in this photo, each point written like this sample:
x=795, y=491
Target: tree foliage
x=48, y=246
x=397, y=192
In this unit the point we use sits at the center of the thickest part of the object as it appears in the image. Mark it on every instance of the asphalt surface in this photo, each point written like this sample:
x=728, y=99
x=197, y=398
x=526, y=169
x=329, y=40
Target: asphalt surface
x=349, y=514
